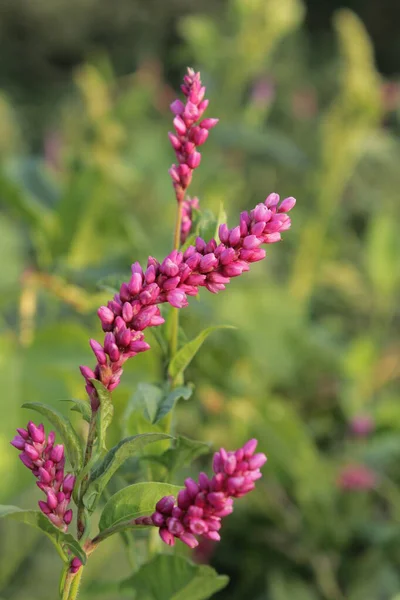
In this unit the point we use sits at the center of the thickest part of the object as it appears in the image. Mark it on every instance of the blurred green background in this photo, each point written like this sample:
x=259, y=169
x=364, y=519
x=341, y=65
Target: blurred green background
x=84, y=191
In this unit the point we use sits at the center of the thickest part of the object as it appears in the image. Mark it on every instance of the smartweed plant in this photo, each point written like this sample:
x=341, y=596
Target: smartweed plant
x=73, y=472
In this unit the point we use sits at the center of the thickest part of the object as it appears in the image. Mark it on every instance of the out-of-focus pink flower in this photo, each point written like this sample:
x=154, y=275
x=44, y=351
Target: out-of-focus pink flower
x=47, y=461
x=356, y=477
x=201, y=505
x=362, y=425
x=206, y=264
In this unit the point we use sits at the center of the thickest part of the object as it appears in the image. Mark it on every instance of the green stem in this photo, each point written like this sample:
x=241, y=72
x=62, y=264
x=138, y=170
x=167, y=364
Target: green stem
x=74, y=586
x=81, y=525
x=173, y=342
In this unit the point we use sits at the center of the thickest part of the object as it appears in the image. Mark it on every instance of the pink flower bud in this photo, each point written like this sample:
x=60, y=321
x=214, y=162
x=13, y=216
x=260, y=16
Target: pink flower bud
x=177, y=298
x=234, y=236
x=179, y=125
x=18, y=442
x=86, y=372
x=57, y=453
x=208, y=123
x=287, y=204
x=200, y=136
x=52, y=501
x=44, y=508
x=167, y=537
x=193, y=160
x=175, y=143
x=36, y=433
x=177, y=107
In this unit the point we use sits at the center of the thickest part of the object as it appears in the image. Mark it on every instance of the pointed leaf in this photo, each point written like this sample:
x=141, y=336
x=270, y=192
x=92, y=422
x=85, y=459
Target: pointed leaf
x=102, y=473
x=169, y=400
x=177, y=579
x=82, y=407
x=134, y=501
x=64, y=427
x=185, y=355
x=104, y=414
x=37, y=519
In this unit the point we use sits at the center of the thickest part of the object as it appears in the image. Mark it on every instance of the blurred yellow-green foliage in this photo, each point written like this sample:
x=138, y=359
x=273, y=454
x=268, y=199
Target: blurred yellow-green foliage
x=317, y=339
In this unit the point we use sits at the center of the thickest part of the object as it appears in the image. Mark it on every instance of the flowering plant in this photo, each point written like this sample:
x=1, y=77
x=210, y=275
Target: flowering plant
x=187, y=513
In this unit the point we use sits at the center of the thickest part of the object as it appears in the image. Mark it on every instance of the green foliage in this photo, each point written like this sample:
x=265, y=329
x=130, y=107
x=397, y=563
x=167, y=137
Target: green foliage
x=185, y=355
x=102, y=473
x=177, y=579
x=134, y=501
x=36, y=519
x=183, y=452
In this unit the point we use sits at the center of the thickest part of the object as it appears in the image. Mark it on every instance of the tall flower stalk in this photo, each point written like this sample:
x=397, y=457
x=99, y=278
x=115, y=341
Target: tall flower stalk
x=196, y=510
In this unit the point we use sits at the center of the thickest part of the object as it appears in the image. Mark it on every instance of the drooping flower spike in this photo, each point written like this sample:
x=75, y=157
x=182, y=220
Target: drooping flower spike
x=206, y=264
x=47, y=461
x=201, y=505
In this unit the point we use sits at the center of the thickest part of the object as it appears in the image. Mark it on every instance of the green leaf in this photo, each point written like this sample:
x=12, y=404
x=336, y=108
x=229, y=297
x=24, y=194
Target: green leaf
x=184, y=452
x=104, y=414
x=155, y=401
x=102, y=473
x=185, y=355
x=37, y=519
x=134, y=501
x=64, y=427
x=176, y=579
x=169, y=400
x=82, y=407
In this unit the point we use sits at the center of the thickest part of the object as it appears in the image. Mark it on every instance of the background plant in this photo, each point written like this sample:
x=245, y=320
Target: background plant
x=318, y=349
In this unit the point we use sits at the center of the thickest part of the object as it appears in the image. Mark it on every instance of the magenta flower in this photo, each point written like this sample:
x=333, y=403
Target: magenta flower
x=201, y=505
x=46, y=461
x=190, y=132
x=356, y=477
x=206, y=264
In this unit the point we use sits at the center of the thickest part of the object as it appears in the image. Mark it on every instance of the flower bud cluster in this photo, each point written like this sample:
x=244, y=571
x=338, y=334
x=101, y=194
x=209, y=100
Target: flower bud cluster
x=190, y=132
x=181, y=274
x=47, y=461
x=201, y=505
x=187, y=215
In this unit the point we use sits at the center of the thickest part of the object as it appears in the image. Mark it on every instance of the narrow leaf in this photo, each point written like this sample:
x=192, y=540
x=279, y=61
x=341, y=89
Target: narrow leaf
x=185, y=355
x=64, y=427
x=177, y=579
x=37, y=519
x=104, y=414
x=169, y=400
x=82, y=407
x=134, y=501
x=102, y=473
